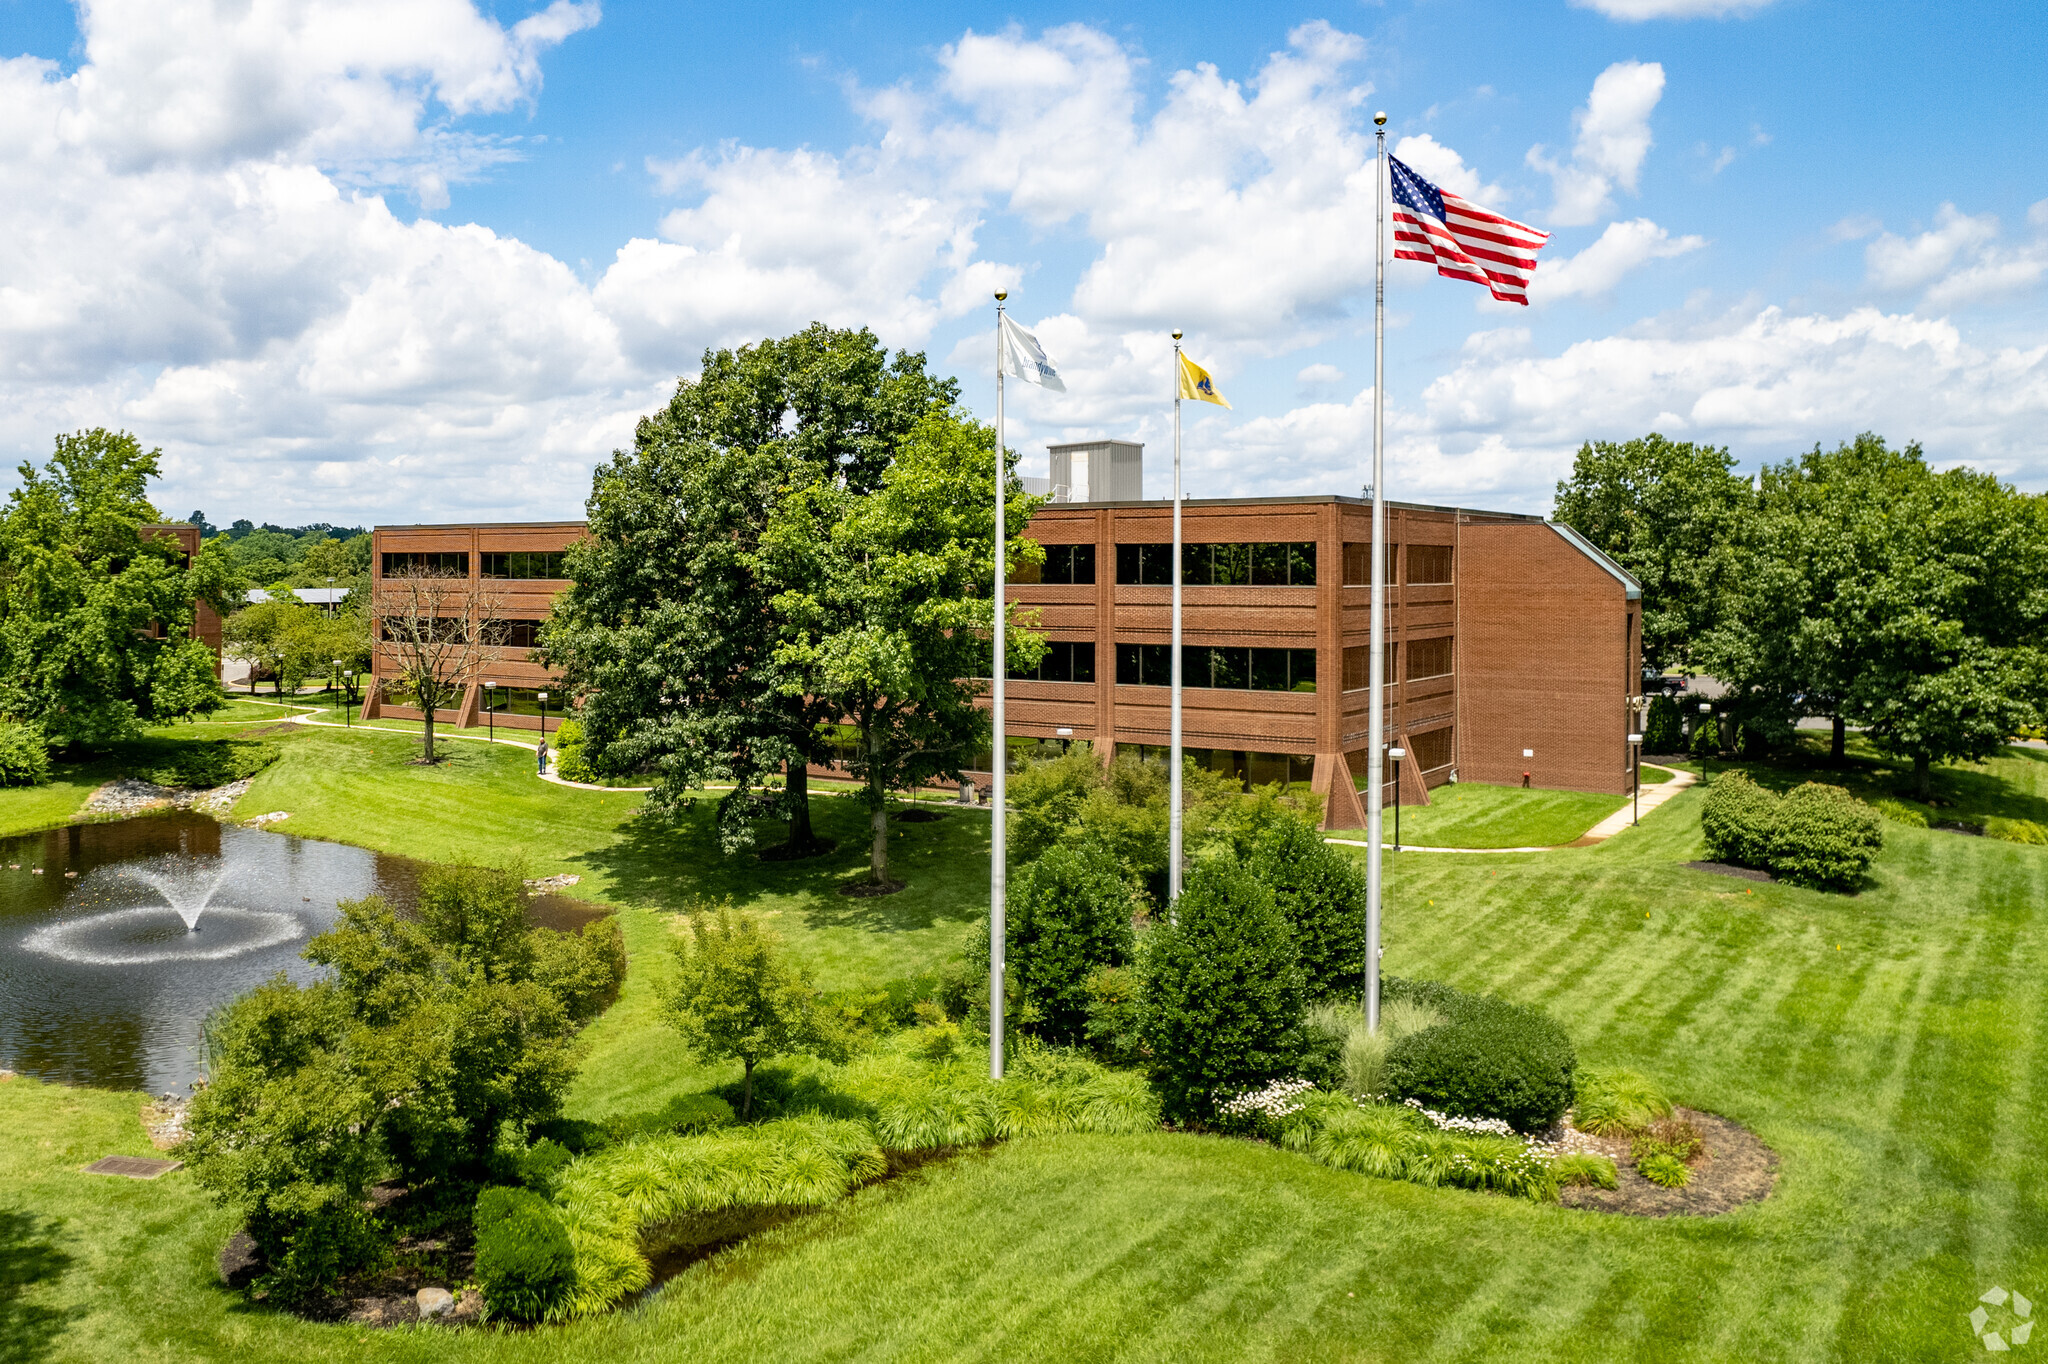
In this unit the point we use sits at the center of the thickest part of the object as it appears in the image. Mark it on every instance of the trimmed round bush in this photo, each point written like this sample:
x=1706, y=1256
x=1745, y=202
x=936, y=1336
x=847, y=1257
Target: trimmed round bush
x=1490, y=1059
x=1070, y=915
x=525, y=1264
x=1223, y=993
x=24, y=760
x=1824, y=837
x=1321, y=892
x=1737, y=820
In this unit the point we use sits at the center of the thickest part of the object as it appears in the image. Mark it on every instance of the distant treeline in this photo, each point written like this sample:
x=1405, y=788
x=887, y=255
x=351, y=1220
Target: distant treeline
x=293, y=556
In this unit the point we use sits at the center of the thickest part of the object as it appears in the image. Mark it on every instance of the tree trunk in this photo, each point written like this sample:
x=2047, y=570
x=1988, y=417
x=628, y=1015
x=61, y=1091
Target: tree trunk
x=1923, y=776
x=878, y=822
x=1838, y=750
x=427, y=720
x=797, y=789
x=747, y=1090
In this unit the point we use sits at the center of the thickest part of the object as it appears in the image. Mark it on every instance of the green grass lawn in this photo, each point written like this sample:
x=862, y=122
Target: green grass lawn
x=1471, y=815
x=1888, y=1045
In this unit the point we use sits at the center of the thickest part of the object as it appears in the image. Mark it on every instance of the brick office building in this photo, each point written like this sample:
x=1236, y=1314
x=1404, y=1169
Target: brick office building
x=1514, y=652
x=520, y=566
x=206, y=622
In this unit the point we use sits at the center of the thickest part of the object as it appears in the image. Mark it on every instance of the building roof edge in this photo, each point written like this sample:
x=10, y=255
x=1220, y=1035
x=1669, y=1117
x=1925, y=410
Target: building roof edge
x=1598, y=556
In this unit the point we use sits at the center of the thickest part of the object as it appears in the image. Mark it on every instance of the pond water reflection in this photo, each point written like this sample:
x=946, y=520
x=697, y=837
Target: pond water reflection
x=117, y=940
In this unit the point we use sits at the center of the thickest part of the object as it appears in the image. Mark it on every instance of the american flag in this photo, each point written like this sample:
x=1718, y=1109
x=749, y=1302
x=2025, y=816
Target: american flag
x=1463, y=240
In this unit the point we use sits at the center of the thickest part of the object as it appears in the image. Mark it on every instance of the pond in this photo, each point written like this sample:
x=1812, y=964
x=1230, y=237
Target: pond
x=117, y=940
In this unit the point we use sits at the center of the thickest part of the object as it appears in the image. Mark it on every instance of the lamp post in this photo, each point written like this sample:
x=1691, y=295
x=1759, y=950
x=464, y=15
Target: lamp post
x=491, y=710
x=348, y=709
x=1635, y=743
x=1707, y=708
x=334, y=674
x=543, y=716
x=1397, y=753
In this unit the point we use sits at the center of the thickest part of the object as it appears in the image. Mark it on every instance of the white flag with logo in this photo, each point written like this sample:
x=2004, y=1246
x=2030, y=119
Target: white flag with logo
x=1025, y=358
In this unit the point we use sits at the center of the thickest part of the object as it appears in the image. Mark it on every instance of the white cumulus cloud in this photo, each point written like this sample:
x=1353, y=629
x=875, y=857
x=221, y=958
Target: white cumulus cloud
x=1638, y=10
x=1612, y=136
x=1595, y=271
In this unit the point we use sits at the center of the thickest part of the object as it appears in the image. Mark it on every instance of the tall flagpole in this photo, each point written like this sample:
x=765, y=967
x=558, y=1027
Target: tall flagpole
x=1376, y=723
x=998, y=868
x=1173, y=819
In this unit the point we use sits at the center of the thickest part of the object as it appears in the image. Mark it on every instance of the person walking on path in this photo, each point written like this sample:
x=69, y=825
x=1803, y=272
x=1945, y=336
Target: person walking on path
x=543, y=756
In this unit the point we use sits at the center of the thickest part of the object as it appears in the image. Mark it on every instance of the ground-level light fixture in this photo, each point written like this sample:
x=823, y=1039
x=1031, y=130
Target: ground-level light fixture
x=1397, y=753
x=491, y=711
x=1635, y=743
x=1064, y=732
x=543, y=716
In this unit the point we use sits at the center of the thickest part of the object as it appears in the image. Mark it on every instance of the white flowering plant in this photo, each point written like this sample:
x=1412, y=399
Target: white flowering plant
x=1264, y=1111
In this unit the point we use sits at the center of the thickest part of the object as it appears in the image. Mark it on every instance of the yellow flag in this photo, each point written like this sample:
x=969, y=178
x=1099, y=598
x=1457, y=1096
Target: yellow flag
x=1195, y=383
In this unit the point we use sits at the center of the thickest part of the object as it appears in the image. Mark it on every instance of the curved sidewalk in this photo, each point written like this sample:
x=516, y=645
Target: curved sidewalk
x=1620, y=820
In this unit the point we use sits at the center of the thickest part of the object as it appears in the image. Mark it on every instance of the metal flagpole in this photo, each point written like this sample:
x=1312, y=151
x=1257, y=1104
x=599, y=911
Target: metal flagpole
x=1376, y=723
x=998, y=869
x=1173, y=817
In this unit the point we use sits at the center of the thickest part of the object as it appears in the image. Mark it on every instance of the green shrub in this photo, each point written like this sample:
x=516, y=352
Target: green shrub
x=1666, y=1171
x=24, y=758
x=1070, y=914
x=541, y=1165
x=1363, y=1055
x=525, y=1263
x=1321, y=894
x=1116, y=1004
x=584, y=969
x=1824, y=837
x=1488, y=1059
x=1371, y=1139
x=1611, y=1103
x=1898, y=812
x=2016, y=830
x=1737, y=820
x=1665, y=732
x=1583, y=1169
x=284, y=1134
x=569, y=760
x=1223, y=992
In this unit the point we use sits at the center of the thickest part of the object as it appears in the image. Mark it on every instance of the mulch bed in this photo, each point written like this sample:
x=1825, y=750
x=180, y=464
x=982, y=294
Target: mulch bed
x=1737, y=1168
x=1730, y=869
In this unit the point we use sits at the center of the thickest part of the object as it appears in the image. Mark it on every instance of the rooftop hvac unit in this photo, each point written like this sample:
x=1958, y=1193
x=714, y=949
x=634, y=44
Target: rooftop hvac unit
x=1098, y=471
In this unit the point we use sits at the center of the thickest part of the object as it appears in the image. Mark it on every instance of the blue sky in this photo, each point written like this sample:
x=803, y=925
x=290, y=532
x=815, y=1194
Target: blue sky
x=427, y=260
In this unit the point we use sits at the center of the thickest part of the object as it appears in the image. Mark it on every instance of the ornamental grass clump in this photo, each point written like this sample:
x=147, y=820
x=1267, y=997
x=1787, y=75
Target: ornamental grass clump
x=1584, y=1169
x=1617, y=1103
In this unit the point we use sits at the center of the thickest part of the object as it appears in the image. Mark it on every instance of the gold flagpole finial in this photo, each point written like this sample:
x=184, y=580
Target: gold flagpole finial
x=1379, y=119
x=1002, y=294
x=1176, y=336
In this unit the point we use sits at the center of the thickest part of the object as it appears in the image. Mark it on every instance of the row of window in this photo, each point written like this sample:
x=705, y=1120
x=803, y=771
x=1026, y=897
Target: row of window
x=1236, y=565
x=509, y=634
x=455, y=563
x=525, y=563
x=1231, y=667
x=1426, y=658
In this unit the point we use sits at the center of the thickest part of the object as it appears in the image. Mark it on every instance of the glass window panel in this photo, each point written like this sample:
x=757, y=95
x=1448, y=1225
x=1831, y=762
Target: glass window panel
x=1301, y=669
x=1231, y=566
x=1269, y=565
x=1127, y=563
x=1127, y=665
x=1083, y=565
x=1194, y=565
x=1429, y=563
x=1230, y=667
x=1157, y=567
x=1024, y=571
x=1301, y=564
x=1084, y=660
x=1263, y=769
x=1194, y=665
x=1269, y=669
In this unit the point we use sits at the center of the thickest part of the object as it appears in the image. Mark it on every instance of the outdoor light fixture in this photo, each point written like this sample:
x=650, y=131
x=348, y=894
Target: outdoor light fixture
x=1706, y=707
x=543, y=716
x=1064, y=732
x=491, y=711
x=1635, y=742
x=1397, y=753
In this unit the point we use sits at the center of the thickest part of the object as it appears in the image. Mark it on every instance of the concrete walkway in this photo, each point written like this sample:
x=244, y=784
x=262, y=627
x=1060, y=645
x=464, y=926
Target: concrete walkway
x=1620, y=820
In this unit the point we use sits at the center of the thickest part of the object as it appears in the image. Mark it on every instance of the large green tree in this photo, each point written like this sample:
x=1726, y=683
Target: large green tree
x=667, y=634
x=95, y=617
x=884, y=610
x=1666, y=511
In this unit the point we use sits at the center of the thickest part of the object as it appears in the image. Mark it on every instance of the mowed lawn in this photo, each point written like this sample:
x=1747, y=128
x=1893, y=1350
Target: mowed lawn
x=1470, y=814
x=1888, y=1045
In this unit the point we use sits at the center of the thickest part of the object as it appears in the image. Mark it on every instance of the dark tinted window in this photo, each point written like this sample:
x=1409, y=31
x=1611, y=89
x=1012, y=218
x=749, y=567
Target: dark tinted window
x=455, y=565
x=524, y=564
x=1219, y=565
x=1064, y=661
x=1069, y=564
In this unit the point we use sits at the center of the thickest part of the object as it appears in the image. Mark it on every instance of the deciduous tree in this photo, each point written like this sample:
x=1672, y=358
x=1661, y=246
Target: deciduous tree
x=736, y=997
